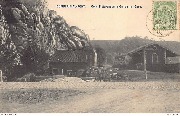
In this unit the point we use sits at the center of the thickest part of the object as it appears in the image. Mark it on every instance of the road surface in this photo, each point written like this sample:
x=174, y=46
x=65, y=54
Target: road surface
x=109, y=98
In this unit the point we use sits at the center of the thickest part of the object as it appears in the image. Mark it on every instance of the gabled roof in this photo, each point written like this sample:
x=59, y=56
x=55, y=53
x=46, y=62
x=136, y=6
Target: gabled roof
x=155, y=43
x=69, y=56
x=171, y=45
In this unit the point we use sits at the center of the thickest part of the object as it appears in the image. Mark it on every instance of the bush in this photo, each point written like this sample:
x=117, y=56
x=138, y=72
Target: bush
x=30, y=77
x=80, y=72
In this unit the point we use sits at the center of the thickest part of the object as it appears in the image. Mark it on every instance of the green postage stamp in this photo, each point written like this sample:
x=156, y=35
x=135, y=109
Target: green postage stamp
x=164, y=15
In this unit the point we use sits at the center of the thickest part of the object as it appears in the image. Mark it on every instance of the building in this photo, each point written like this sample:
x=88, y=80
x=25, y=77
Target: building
x=152, y=57
x=69, y=62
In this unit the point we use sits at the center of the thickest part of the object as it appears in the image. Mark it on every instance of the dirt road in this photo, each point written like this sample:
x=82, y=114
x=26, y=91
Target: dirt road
x=117, y=100
x=102, y=97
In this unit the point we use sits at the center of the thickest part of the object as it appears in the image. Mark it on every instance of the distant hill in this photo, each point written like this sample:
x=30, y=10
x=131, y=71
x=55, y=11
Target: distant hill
x=121, y=46
x=114, y=47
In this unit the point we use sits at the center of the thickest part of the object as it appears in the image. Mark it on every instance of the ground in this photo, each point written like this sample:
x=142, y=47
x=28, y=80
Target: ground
x=92, y=97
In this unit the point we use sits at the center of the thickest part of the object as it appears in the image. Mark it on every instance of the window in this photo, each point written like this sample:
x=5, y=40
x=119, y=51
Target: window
x=69, y=72
x=154, y=58
x=55, y=71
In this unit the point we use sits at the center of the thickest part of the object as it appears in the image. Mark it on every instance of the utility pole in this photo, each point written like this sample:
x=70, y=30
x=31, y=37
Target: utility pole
x=62, y=71
x=145, y=68
x=1, y=75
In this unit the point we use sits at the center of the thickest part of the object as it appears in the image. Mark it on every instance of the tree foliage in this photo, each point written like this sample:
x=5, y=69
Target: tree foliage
x=9, y=56
x=31, y=33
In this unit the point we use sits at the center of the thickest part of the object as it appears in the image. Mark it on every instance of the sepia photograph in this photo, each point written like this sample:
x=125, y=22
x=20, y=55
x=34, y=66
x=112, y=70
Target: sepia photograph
x=89, y=56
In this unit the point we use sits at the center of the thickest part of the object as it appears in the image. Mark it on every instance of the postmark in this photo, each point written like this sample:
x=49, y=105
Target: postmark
x=150, y=27
x=163, y=19
x=164, y=15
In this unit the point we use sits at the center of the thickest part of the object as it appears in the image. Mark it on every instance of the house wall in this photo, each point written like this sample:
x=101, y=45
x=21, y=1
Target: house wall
x=137, y=61
x=173, y=68
x=160, y=52
x=160, y=66
x=74, y=66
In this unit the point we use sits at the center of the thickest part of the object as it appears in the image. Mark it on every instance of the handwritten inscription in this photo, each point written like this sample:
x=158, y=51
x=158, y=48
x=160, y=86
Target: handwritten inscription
x=99, y=6
x=71, y=6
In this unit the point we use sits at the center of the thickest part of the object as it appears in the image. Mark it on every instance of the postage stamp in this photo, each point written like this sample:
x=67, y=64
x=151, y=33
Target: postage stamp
x=164, y=15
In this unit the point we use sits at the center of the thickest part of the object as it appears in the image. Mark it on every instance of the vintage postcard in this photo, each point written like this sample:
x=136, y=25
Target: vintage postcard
x=89, y=56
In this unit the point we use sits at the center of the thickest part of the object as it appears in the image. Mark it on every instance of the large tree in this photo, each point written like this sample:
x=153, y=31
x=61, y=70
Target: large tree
x=9, y=56
x=34, y=59
x=35, y=32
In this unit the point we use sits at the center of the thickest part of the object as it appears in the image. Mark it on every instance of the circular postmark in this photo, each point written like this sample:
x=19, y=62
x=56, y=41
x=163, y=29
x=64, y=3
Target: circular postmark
x=161, y=21
x=157, y=32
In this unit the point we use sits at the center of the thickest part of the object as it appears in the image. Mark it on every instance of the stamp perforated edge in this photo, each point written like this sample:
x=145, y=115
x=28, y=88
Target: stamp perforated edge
x=177, y=13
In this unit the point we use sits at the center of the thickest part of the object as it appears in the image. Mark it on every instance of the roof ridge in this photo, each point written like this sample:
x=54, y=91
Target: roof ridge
x=69, y=56
x=149, y=44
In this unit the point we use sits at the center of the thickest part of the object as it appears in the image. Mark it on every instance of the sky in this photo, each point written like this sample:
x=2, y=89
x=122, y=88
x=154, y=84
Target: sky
x=111, y=23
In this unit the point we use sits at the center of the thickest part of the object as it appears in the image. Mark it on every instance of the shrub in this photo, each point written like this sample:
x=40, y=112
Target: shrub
x=80, y=72
x=30, y=77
